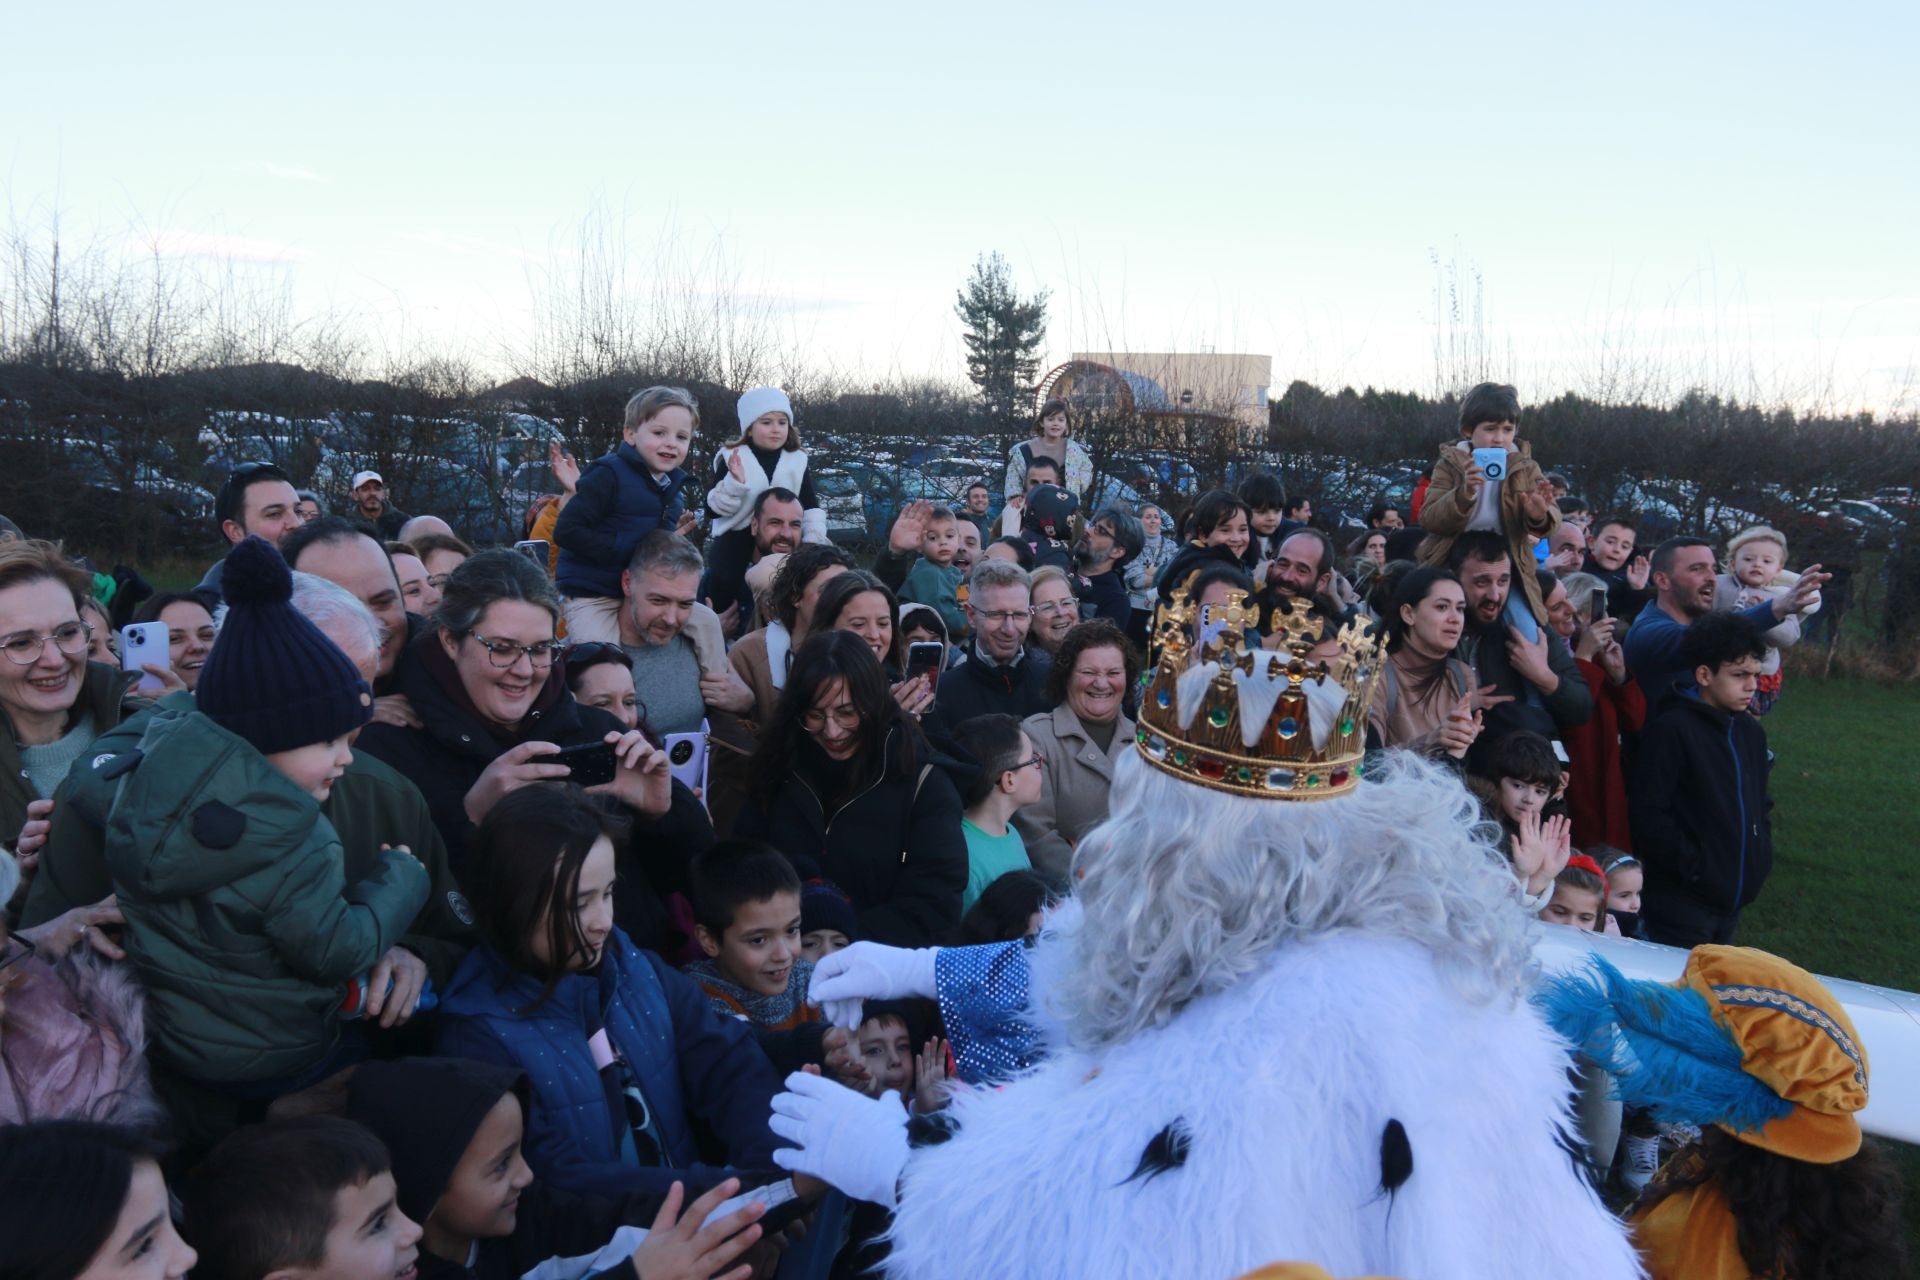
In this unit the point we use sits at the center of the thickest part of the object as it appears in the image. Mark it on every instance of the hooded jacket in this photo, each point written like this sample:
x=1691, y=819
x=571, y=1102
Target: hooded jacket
x=1701, y=815
x=447, y=756
x=240, y=920
x=1449, y=506
x=105, y=694
x=427, y=1111
x=892, y=843
x=616, y=503
x=371, y=805
x=690, y=1061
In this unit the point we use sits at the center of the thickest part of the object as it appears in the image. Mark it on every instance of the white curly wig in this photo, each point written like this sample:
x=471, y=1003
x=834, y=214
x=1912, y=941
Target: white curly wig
x=1185, y=891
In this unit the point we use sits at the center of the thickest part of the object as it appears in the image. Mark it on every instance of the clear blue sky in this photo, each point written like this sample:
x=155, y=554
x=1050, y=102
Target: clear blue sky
x=1716, y=193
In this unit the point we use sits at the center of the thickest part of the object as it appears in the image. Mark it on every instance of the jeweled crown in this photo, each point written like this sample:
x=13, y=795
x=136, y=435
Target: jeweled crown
x=1222, y=710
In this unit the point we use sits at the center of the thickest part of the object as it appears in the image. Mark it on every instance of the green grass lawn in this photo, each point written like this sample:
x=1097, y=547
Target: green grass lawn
x=1845, y=890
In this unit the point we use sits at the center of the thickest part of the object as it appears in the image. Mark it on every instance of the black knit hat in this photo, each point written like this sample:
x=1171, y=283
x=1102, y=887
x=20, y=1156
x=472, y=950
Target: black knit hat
x=427, y=1110
x=273, y=678
x=824, y=906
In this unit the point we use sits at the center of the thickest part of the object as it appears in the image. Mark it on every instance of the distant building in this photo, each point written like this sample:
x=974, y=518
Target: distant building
x=1183, y=395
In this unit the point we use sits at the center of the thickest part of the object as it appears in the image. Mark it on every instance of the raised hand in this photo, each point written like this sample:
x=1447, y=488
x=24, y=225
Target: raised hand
x=687, y=523
x=735, y=467
x=1639, y=569
x=909, y=532
x=842, y=1059
x=931, y=1087
x=564, y=467
x=1538, y=502
x=1803, y=593
x=688, y=1247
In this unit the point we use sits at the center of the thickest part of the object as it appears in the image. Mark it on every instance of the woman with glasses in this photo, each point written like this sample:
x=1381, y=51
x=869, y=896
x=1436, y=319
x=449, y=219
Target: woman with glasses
x=844, y=776
x=626, y=1059
x=53, y=701
x=1055, y=609
x=1081, y=739
x=488, y=682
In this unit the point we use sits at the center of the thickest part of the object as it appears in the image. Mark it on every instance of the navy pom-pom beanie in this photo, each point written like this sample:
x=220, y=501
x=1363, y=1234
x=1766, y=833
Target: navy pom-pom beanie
x=273, y=677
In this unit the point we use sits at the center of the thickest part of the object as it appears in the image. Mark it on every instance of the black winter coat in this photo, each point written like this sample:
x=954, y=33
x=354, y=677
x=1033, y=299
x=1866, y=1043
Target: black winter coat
x=447, y=757
x=976, y=688
x=894, y=844
x=1190, y=559
x=1701, y=815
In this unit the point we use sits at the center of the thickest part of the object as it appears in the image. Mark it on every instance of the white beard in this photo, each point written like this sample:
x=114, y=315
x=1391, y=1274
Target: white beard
x=1285, y=1083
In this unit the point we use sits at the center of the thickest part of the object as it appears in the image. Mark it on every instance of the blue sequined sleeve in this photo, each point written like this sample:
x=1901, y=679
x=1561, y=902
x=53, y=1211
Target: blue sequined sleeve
x=983, y=998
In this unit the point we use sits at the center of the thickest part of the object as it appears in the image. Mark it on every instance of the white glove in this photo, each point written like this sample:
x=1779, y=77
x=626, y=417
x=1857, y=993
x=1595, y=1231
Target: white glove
x=846, y=1139
x=869, y=971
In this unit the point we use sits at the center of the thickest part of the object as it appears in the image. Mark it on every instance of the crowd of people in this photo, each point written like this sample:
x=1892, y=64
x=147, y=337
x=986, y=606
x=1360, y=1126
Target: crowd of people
x=455, y=910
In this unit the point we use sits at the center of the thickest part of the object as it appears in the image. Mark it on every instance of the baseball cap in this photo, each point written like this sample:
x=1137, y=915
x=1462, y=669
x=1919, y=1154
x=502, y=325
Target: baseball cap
x=361, y=477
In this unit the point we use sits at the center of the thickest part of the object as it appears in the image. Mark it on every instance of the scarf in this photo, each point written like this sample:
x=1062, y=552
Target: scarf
x=783, y=1012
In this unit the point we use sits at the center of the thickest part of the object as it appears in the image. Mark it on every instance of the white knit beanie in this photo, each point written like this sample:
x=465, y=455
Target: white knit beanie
x=764, y=400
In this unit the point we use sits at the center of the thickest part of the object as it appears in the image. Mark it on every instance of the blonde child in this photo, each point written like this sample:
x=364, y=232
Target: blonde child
x=1757, y=559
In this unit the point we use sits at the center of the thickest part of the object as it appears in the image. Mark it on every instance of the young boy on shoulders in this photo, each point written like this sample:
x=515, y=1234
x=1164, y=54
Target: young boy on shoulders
x=934, y=580
x=1702, y=824
x=1463, y=495
x=619, y=499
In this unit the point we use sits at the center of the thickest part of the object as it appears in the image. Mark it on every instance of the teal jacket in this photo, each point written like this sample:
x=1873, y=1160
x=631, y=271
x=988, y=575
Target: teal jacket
x=240, y=920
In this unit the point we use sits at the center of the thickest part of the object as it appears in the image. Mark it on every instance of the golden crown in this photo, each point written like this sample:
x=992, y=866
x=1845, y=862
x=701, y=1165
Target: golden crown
x=1225, y=711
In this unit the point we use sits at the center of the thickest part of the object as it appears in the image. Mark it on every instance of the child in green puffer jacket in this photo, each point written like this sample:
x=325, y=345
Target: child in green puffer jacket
x=240, y=922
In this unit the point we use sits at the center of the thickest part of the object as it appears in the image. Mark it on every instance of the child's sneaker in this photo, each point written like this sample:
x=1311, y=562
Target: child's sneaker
x=1642, y=1161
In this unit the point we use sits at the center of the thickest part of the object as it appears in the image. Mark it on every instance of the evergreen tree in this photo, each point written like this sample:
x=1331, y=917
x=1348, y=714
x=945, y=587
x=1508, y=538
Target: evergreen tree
x=1003, y=338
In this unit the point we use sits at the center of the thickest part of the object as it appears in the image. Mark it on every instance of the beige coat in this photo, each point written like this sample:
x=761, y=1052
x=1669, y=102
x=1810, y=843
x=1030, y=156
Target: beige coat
x=1449, y=505
x=1073, y=794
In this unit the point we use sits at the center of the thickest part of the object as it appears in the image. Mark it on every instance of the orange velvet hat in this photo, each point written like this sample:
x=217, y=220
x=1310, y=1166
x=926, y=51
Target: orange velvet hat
x=1794, y=1037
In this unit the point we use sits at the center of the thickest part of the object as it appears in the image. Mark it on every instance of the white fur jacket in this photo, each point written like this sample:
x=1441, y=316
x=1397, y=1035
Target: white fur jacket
x=1267, y=1124
x=731, y=501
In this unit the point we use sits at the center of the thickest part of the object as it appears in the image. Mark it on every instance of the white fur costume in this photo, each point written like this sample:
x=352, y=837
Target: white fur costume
x=1282, y=980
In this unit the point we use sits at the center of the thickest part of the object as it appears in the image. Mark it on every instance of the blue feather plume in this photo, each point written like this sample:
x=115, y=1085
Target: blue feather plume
x=1661, y=1046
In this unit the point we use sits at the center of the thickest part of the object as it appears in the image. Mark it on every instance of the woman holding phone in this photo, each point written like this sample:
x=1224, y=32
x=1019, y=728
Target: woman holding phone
x=857, y=601
x=1597, y=785
x=488, y=680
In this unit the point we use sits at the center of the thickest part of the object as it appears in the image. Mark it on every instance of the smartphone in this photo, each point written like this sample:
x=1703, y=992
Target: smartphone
x=923, y=658
x=1213, y=625
x=1492, y=462
x=1597, y=607
x=687, y=759
x=536, y=550
x=590, y=763
x=145, y=644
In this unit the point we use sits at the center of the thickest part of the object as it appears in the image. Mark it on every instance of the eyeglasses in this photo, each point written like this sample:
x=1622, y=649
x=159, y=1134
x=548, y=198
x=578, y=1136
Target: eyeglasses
x=998, y=616
x=504, y=653
x=815, y=719
x=71, y=638
x=1039, y=763
x=1052, y=607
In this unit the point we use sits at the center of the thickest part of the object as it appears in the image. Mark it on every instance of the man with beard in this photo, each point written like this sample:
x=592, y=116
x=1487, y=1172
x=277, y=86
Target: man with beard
x=1683, y=570
x=679, y=660
x=1302, y=569
x=1525, y=684
x=1113, y=539
x=775, y=527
